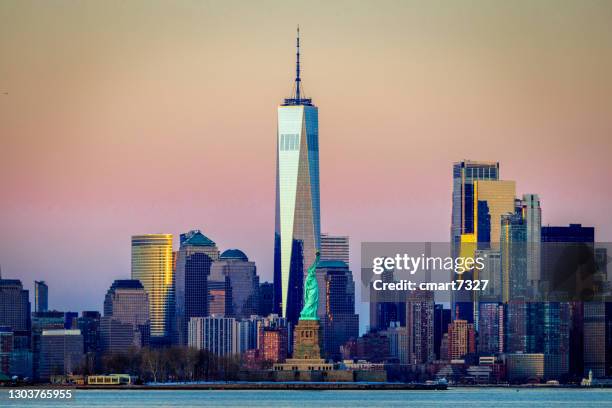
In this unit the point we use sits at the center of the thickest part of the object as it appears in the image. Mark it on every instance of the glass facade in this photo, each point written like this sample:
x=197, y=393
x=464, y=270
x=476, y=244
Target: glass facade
x=297, y=203
x=152, y=265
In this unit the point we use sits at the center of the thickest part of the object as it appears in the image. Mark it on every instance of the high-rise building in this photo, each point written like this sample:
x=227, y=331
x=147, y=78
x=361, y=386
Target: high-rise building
x=274, y=343
x=513, y=257
x=152, y=265
x=50, y=320
x=234, y=266
x=193, y=264
x=598, y=338
x=566, y=250
x=464, y=175
x=274, y=321
x=89, y=325
x=61, y=352
x=70, y=320
x=464, y=220
x=6, y=350
x=461, y=339
x=41, y=296
x=298, y=222
x=491, y=334
x=266, y=298
x=442, y=318
x=248, y=333
x=126, y=320
x=336, y=310
x=335, y=248
x=532, y=215
x=15, y=310
x=385, y=308
x=420, y=327
x=219, y=335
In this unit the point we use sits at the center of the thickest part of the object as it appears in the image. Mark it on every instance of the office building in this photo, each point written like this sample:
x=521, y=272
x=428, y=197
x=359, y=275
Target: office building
x=514, y=257
x=14, y=305
x=266, y=298
x=298, y=222
x=89, y=325
x=336, y=309
x=50, y=320
x=234, y=267
x=420, y=327
x=41, y=296
x=218, y=335
x=463, y=234
x=491, y=335
x=194, y=260
x=152, y=265
x=598, y=338
x=335, y=248
x=531, y=212
x=565, y=250
x=6, y=350
x=61, y=352
x=126, y=321
x=442, y=318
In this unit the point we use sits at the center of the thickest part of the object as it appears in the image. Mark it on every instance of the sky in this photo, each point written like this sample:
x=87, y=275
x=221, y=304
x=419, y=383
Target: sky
x=120, y=118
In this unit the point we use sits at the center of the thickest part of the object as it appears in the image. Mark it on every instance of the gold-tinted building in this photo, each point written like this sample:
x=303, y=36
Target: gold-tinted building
x=152, y=264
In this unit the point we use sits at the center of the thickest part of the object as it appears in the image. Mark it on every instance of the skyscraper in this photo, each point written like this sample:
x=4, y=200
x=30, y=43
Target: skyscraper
x=193, y=263
x=336, y=309
x=14, y=307
x=297, y=223
x=41, y=296
x=241, y=275
x=532, y=214
x=335, y=248
x=152, y=265
x=464, y=175
x=126, y=316
x=420, y=327
x=465, y=222
x=598, y=338
x=442, y=318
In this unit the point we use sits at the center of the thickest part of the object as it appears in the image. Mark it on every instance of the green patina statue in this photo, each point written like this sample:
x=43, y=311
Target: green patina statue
x=311, y=293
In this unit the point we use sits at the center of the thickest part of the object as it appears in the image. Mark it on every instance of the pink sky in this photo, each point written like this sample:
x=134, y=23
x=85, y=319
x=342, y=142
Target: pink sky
x=121, y=118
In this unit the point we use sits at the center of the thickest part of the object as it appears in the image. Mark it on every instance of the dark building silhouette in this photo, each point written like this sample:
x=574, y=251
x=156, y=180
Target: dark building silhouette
x=266, y=299
x=336, y=311
x=193, y=262
x=442, y=318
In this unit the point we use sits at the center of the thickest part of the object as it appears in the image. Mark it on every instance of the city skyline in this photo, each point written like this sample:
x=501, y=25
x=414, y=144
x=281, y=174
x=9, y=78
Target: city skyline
x=66, y=195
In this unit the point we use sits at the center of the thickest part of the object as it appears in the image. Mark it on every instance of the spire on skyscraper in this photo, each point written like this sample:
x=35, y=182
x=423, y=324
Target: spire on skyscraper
x=296, y=98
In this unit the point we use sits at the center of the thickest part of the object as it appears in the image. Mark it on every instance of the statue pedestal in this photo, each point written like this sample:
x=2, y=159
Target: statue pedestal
x=307, y=342
x=306, y=355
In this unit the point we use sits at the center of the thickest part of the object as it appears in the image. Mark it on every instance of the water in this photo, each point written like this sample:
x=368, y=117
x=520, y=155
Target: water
x=455, y=397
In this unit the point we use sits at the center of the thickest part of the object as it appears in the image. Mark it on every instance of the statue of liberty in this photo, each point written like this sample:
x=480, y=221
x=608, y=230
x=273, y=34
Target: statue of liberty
x=311, y=293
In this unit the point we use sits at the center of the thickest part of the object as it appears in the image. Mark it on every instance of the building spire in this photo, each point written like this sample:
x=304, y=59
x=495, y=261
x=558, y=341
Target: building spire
x=297, y=95
x=297, y=67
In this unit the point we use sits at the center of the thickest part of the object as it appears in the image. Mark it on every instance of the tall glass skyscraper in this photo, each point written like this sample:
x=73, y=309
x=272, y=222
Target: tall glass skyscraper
x=297, y=224
x=152, y=265
x=41, y=296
